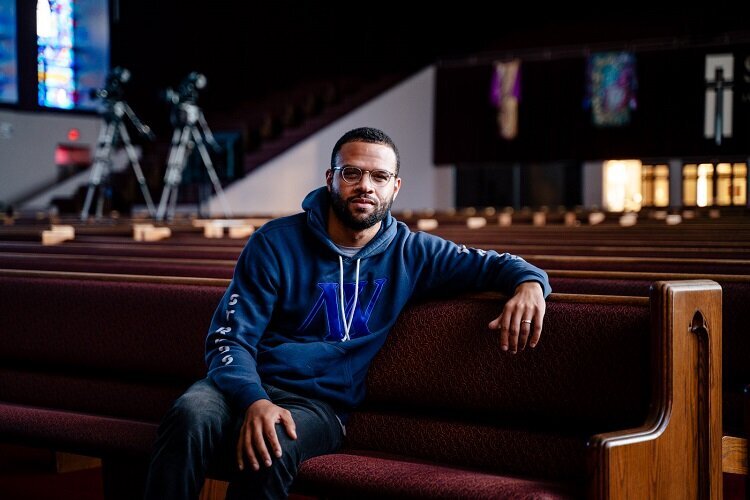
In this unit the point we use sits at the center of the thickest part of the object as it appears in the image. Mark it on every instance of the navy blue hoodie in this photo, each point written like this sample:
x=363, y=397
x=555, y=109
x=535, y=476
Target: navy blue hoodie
x=280, y=320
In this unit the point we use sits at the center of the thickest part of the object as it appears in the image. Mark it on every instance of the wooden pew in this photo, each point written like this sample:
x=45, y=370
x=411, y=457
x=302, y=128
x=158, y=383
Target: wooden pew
x=641, y=264
x=736, y=349
x=198, y=268
x=565, y=419
x=591, y=282
x=132, y=249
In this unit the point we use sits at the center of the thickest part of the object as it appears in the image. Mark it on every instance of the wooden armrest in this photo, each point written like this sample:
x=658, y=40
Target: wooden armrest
x=664, y=456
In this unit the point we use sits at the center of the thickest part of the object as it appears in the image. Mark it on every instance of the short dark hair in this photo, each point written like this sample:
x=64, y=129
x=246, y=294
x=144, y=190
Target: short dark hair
x=365, y=134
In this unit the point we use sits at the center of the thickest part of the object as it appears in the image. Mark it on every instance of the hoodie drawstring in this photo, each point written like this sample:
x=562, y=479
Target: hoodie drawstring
x=347, y=324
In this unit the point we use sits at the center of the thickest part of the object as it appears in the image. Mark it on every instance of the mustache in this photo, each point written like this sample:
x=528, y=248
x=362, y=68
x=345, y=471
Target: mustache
x=362, y=197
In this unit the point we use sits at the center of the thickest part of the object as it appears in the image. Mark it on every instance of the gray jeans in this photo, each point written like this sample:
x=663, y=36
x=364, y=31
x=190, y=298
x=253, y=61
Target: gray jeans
x=199, y=436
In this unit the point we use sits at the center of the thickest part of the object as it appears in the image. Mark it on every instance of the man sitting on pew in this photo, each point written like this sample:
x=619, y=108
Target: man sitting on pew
x=311, y=302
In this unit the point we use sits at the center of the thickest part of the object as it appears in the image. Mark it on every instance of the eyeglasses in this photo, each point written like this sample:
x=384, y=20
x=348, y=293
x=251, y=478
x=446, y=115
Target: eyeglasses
x=352, y=175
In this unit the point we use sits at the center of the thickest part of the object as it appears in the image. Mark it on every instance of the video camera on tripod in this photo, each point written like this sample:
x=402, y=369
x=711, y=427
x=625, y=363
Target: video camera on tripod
x=190, y=132
x=113, y=93
x=184, y=98
x=188, y=89
x=113, y=86
x=114, y=110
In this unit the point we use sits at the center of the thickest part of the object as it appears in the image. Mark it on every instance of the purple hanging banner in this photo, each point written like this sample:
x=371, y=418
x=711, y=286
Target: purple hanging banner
x=505, y=93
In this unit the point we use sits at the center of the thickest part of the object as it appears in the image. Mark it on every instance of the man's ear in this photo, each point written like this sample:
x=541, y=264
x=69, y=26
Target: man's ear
x=329, y=178
x=396, y=187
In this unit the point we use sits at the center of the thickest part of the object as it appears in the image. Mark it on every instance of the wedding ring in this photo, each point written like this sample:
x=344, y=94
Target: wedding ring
x=526, y=321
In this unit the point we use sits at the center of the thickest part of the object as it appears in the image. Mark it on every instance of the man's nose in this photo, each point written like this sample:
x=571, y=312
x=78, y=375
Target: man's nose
x=365, y=181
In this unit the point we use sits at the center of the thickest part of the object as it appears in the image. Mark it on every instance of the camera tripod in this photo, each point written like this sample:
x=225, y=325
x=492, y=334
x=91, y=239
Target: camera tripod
x=113, y=129
x=184, y=140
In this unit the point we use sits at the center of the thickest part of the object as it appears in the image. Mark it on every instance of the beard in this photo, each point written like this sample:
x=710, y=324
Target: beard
x=355, y=221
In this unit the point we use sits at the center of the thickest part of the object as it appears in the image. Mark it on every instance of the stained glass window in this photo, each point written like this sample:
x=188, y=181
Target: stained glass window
x=55, y=54
x=611, y=88
x=8, y=53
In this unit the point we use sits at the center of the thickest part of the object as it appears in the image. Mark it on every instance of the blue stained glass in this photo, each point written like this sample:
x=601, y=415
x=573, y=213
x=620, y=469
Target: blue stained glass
x=8, y=54
x=55, y=56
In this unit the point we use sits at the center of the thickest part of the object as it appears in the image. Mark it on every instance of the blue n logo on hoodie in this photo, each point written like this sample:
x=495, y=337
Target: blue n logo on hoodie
x=329, y=297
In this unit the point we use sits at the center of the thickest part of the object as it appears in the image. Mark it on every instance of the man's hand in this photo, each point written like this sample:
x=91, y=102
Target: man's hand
x=522, y=318
x=259, y=426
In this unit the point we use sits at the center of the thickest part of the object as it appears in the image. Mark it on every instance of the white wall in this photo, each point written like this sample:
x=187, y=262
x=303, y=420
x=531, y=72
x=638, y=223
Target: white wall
x=675, y=182
x=27, y=148
x=592, y=179
x=405, y=113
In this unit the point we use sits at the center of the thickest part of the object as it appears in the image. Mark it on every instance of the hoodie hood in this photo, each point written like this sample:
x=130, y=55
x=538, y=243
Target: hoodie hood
x=316, y=205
